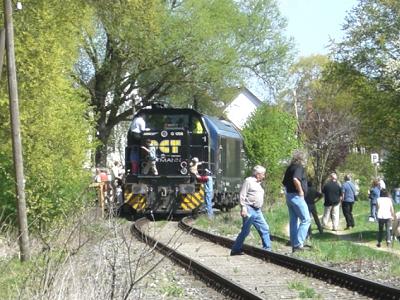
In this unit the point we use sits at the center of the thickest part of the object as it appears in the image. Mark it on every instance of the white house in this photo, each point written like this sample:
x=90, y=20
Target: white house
x=241, y=107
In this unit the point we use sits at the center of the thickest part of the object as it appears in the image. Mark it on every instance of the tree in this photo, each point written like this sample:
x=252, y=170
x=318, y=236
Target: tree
x=371, y=49
x=323, y=107
x=178, y=52
x=269, y=139
x=54, y=128
x=372, y=38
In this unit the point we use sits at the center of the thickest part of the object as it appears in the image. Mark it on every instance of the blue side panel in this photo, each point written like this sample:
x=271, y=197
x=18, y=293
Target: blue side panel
x=219, y=128
x=222, y=128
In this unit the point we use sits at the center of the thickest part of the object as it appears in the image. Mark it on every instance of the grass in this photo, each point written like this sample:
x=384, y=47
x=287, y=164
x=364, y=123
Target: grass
x=171, y=288
x=17, y=275
x=352, y=245
x=13, y=275
x=304, y=291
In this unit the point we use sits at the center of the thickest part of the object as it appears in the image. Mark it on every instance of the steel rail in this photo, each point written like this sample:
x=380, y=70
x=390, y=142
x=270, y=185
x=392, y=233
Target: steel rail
x=211, y=278
x=354, y=283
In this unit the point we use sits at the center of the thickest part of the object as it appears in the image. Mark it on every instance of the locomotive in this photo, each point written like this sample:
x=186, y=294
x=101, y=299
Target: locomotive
x=179, y=136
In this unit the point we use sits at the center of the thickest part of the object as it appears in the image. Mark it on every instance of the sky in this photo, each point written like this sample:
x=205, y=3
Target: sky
x=312, y=23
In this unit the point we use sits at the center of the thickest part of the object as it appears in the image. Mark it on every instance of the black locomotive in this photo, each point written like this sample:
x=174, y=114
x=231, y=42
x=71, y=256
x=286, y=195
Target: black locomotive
x=162, y=183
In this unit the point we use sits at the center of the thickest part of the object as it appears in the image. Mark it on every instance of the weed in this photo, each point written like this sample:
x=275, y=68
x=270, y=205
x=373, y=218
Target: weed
x=304, y=291
x=172, y=290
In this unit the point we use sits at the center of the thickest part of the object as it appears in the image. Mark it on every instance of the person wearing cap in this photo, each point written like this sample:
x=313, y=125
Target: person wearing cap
x=151, y=158
x=251, y=201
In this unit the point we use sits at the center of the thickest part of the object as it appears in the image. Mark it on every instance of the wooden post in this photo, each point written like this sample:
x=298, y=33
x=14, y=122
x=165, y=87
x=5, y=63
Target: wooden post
x=16, y=133
x=102, y=187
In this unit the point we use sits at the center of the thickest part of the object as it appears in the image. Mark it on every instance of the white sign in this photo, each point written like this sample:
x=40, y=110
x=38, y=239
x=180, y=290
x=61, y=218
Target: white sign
x=374, y=158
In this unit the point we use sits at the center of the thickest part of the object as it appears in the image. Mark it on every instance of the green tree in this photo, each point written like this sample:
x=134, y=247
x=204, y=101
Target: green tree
x=323, y=106
x=55, y=131
x=177, y=51
x=371, y=48
x=269, y=139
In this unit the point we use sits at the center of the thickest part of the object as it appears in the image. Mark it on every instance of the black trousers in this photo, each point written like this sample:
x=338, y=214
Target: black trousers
x=313, y=211
x=347, y=208
x=386, y=223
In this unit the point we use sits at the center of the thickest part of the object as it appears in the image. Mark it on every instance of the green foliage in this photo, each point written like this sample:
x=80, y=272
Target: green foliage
x=390, y=168
x=269, y=139
x=54, y=128
x=371, y=49
x=305, y=291
x=179, y=52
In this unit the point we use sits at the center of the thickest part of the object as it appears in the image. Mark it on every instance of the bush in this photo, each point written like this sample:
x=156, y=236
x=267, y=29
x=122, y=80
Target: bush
x=269, y=139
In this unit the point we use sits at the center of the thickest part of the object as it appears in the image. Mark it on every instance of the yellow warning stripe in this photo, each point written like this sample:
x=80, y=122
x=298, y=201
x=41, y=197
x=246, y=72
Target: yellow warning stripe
x=191, y=201
x=137, y=201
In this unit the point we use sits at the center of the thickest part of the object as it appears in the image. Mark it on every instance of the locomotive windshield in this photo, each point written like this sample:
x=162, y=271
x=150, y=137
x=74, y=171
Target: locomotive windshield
x=160, y=121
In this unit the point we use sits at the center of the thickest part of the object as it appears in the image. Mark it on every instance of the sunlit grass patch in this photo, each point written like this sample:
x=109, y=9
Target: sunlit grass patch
x=304, y=291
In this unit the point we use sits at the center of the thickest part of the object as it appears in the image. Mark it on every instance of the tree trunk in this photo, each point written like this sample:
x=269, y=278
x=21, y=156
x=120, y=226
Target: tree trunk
x=103, y=134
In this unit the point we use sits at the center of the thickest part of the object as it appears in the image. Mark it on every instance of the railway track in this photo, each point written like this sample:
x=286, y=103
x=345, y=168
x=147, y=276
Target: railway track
x=273, y=275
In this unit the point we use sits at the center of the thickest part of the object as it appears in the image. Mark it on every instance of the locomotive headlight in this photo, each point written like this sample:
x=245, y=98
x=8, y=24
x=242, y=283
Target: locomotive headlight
x=184, y=171
x=184, y=164
x=187, y=188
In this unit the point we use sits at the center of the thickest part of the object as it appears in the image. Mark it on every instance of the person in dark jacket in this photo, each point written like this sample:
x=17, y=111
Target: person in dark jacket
x=333, y=196
x=295, y=182
x=311, y=197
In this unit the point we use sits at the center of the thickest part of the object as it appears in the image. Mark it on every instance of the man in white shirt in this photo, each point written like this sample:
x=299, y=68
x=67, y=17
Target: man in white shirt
x=251, y=201
x=138, y=124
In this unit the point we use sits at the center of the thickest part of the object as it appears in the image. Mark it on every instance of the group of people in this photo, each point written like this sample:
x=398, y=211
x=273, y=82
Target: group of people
x=300, y=200
x=111, y=180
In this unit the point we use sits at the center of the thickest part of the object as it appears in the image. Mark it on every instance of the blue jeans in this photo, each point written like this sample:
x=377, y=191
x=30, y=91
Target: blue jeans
x=256, y=218
x=373, y=209
x=208, y=189
x=298, y=209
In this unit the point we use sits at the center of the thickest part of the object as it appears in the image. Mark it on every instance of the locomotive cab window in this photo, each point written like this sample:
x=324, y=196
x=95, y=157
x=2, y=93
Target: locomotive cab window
x=196, y=126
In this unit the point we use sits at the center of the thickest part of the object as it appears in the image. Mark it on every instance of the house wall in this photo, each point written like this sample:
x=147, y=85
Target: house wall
x=241, y=109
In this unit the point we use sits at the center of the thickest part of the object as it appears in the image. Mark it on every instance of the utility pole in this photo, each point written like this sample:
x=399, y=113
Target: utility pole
x=16, y=133
x=2, y=48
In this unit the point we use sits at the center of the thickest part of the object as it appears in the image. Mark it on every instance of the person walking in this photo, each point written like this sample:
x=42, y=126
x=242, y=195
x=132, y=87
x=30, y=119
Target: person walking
x=295, y=182
x=385, y=214
x=332, y=198
x=251, y=201
x=348, y=197
x=312, y=196
x=374, y=194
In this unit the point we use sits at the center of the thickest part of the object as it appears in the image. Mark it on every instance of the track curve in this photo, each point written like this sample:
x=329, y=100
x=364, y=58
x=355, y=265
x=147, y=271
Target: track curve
x=273, y=275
